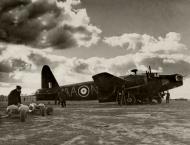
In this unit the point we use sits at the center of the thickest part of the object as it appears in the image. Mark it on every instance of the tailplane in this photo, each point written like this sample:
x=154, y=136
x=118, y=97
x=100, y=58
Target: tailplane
x=47, y=78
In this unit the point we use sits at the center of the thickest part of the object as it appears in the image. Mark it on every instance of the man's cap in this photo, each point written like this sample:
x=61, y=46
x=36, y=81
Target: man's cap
x=18, y=87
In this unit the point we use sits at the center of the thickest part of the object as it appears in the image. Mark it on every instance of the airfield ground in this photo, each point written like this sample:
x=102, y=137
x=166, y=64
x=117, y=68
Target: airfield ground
x=92, y=123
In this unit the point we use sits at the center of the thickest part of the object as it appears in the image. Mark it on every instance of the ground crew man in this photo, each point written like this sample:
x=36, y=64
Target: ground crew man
x=57, y=98
x=14, y=96
x=167, y=97
x=62, y=98
x=118, y=98
x=122, y=96
x=123, y=100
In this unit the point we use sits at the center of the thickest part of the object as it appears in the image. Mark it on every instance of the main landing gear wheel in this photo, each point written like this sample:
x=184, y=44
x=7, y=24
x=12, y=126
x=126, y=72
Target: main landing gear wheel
x=130, y=100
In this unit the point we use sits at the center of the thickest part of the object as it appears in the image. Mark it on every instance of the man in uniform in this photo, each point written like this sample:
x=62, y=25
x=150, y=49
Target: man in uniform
x=121, y=96
x=62, y=98
x=56, y=99
x=118, y=97
x=14, y=96
x=167, y=97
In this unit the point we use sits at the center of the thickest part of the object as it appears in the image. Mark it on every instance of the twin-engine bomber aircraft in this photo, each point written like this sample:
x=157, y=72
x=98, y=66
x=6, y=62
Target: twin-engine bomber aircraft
x=105, y=87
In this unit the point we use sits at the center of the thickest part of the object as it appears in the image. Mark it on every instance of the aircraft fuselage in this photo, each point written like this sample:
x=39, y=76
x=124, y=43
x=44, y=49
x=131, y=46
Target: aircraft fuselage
x=79, y=91
x=105, y=86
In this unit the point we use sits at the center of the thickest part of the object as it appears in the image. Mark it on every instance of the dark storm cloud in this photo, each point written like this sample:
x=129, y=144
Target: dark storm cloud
x=5, y=67
x=61, y=38
x=38, y=59
x=40, y=24
x=42, y=7
x=19, y=21
x=6, y=5
x=11, y=65
x=19, y=64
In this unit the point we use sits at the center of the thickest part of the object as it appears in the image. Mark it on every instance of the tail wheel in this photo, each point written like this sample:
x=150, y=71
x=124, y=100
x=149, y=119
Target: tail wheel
x=130, y=99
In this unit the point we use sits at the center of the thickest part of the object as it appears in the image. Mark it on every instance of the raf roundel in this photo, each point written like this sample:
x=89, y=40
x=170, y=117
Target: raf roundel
x=83, y=91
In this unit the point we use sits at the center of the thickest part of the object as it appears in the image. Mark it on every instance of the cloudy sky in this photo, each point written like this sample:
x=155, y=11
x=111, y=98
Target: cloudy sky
x=79, y=38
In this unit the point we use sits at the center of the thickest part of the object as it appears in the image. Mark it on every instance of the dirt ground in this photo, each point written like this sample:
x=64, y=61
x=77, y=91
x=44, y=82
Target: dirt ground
x=91, y=123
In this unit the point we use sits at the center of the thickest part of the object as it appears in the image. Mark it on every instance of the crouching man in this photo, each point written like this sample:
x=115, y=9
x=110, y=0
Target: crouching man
x=14, y=96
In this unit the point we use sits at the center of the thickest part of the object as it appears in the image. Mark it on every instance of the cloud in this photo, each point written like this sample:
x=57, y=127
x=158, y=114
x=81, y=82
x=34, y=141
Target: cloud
x=22, y=67
x=15, y=57
x=79, y=70
x=80, y=66
x=46, y=23
x=130, y=41
x=73, y=70
x=5, y=67
x=164, y=54
x=146, y=43
x=38, y=59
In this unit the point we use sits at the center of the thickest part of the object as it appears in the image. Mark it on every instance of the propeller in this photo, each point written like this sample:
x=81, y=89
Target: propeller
x=149, y=72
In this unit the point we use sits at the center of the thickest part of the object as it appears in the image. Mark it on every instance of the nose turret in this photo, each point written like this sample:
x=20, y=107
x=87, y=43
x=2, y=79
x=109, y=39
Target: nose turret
x=171, y=81
x=178, y=77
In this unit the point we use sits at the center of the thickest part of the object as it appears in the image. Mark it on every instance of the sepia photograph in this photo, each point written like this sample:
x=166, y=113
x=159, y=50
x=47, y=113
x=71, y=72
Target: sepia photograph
x=94, y=72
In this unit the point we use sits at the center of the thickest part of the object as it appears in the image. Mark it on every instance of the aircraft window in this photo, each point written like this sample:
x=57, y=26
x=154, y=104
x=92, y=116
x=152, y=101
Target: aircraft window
x=50, y=85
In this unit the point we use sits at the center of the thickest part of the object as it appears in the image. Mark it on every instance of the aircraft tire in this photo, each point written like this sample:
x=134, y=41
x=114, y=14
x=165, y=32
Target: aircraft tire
x=130, y=100
x=139, y=101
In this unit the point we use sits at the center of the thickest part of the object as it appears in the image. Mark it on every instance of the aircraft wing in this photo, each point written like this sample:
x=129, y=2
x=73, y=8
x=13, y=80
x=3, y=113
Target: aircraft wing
x=135, y=87
x=106, y=79
x=108, y=84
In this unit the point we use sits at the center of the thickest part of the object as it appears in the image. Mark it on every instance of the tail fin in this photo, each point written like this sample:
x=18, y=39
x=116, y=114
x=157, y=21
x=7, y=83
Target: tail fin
x=48, y=79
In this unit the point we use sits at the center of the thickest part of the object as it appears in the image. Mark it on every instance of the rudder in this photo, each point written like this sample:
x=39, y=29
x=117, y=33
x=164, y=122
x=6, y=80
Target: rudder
x=47, y=78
